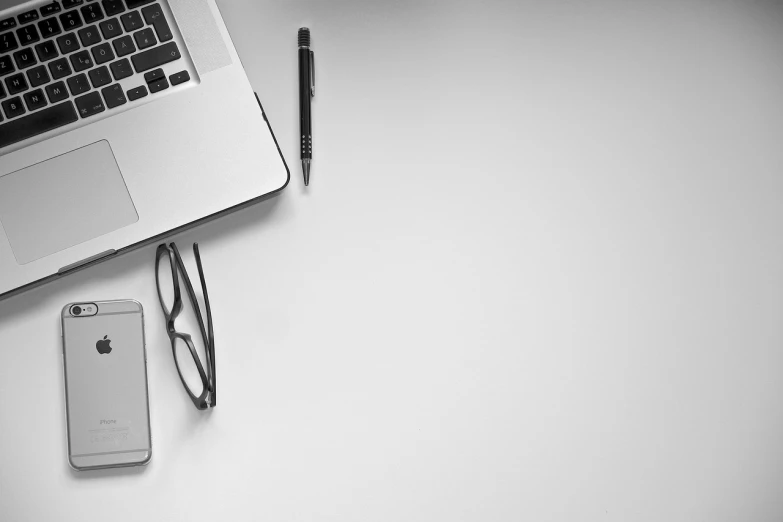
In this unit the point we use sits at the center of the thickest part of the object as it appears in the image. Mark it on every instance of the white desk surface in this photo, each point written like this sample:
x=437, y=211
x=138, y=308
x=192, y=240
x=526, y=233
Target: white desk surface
x=538, y=275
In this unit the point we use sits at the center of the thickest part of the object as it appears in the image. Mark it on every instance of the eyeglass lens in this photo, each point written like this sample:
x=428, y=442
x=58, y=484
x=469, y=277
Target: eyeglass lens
x=187, y=367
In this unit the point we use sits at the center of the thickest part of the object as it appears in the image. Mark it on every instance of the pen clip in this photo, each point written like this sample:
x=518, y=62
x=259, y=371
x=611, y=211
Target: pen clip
x=312, y=74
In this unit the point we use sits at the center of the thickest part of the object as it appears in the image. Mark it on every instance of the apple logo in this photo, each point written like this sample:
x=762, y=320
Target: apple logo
x=104, y=345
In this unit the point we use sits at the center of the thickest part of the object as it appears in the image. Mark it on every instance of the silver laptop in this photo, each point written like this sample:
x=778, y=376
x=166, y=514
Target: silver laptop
x=120, y=121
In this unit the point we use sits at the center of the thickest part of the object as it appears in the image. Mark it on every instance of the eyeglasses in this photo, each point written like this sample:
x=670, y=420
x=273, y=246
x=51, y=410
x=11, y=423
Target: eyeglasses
x=168, y=263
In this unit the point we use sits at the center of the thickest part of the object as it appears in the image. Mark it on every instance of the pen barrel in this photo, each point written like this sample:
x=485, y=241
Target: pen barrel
x=305, y=93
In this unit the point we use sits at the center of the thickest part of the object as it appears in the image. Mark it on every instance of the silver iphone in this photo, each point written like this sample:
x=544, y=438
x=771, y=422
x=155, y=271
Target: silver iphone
x=106, y=398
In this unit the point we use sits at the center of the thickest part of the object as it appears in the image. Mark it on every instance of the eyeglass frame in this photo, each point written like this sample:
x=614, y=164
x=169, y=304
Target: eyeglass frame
x=207, y=399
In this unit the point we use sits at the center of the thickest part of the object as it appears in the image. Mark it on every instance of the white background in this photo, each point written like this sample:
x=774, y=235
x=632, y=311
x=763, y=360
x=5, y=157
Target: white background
x=538, y=275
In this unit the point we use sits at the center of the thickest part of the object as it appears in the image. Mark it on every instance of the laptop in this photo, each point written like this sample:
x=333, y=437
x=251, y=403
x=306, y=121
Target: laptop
x=121, y=121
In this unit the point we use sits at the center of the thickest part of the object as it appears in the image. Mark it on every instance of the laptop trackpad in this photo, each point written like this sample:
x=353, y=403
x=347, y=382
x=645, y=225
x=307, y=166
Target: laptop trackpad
x=64, y=201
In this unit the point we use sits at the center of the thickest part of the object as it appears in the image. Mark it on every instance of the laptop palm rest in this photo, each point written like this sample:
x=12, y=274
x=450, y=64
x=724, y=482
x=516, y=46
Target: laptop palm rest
x=64, y=201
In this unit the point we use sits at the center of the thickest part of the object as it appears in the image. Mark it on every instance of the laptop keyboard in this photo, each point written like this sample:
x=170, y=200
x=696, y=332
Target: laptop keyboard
x=62, y=62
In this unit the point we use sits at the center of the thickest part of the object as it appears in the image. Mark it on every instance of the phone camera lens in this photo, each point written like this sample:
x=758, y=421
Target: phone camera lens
x=76, y=310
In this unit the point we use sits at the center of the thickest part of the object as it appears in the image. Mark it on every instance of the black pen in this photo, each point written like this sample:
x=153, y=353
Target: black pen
x=306, y=92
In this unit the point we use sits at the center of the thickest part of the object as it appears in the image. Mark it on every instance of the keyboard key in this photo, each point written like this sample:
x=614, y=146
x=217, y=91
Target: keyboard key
x=81, y=61
x=56, y=92
x=133, y=4
x=47, y=50
x=156, y=57
x=138, y=92
x=113, y=7
x=154, y=76
x=100, y=77
x=78, y=84
x=29, y=16
x=159, y=85
x=68, y=43
x=25, y=58
x=12, y=109
x=90, y=105
x=67, y=4
x=27, y=35
x=132, y=21
x=153, y=14
x=60, y=68
x=2, y=95
x=6, y=65
x=37, y=123
x=114, y=96
x=180, y=77
x=92, y=13
x=49, y=27
x=102, y=53
x=89, y=35
x=38, y=76
x=121, y=69
x=145, y=38
x=124, y=46
x=50, y=9
x=7, y=42
x=35, y=100
x=71, y=20
x=16, y=84
x=111, y=28
x=8, y=23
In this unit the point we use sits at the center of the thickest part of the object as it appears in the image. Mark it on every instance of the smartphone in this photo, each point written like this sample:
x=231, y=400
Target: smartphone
x=106, y=397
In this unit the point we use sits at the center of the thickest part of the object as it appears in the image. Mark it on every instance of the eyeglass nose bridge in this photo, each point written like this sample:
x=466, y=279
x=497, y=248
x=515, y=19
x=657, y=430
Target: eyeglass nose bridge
x=170, y=328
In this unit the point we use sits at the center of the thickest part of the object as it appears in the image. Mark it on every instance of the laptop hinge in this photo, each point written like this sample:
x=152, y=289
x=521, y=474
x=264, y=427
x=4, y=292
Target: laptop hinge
x=85, y=262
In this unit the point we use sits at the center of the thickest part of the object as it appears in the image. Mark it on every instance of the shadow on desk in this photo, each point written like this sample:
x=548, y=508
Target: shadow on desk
x=104, y=473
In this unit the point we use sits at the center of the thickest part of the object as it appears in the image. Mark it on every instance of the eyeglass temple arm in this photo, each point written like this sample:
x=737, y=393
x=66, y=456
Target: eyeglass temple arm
x=210, y=334
x=206, y=294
